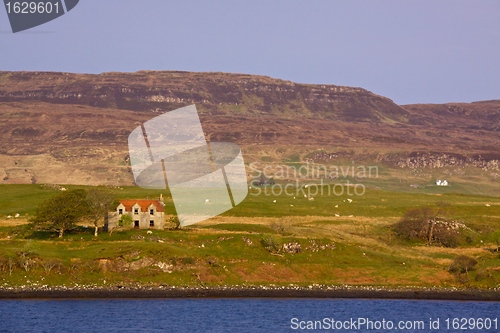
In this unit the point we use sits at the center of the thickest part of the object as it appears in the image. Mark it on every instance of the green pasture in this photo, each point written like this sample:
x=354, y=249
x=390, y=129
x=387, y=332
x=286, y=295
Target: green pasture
x=352, y=243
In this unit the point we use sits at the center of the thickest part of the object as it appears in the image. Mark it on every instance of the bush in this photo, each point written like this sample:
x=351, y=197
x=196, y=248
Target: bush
x=462, y=264
x=281, y=227
x=174, y=220
x=188, y=261
x=495, y=238
x=26, y=262
x=448, y=238
x=424, y=224
x=213, y=261
x=483, y=274
x=50, y=265
x=414, y=224
x=270, y=243
x=7, y=264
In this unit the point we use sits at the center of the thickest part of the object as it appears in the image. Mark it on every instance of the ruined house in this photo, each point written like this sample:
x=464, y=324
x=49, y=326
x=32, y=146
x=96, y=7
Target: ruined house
x=145, y=214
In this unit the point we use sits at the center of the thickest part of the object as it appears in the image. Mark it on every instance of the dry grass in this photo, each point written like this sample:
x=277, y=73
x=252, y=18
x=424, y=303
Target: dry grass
x=12, y=222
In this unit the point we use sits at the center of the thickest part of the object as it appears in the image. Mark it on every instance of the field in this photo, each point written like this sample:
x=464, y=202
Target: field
x=267, y=240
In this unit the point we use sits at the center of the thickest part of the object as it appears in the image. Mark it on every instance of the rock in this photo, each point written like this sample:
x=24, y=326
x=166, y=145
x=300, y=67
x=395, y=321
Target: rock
x=292, y=247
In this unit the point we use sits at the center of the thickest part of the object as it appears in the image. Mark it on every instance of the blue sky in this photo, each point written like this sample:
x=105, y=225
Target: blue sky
x=410, y=51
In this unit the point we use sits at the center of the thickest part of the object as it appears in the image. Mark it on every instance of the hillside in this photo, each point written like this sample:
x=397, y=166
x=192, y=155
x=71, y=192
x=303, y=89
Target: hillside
x=73, y=128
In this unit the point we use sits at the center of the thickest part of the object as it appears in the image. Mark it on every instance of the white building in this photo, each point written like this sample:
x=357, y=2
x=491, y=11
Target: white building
x=440, y=182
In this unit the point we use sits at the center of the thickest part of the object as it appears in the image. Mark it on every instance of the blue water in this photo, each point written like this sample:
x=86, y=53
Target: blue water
x=237, y=315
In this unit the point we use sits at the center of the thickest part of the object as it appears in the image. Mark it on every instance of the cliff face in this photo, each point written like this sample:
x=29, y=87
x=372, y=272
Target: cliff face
x=484, y=115
x=73, y=128
x=215, y=93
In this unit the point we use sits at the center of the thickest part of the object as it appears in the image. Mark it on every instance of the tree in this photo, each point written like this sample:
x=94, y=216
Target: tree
x=98, y=201
x=441, y=209
x=414, y=224
x=175, y=221
x=495, y=237
x=124, y=222
x=61, y=212
x=462, y=264
x=420, y=223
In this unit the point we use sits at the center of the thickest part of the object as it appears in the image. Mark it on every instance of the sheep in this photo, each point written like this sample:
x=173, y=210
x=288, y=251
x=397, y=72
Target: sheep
x=488, y=205
x=350, y=200
x=336, y=206
x=17, y=215
x=291, y=205
x=337, y=215
x=149, y=232
x=311, y=199
x=305, y=195
x=9, y=217
x=274, y=200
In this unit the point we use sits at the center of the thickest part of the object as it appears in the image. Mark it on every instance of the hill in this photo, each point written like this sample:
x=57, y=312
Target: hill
x=73, y=128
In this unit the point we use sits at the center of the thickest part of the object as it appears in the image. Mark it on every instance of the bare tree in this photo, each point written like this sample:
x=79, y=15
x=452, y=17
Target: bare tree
x=441, y=209
x=98, y=201
x=50, y=264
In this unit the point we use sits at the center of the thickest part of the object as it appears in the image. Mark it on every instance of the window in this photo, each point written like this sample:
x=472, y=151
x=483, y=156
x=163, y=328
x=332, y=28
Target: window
x=136, y=210
x=136, y=224
x=120, y=211
x=151, y=223
x=151, y=212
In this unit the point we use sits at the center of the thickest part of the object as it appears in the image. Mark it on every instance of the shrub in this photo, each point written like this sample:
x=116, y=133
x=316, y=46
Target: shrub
x=27, y=260
x=213, y=261
x=188, y=261
x=51, y=264
x=448, y=238
x=174, y=220
x=463, y=264
x=270, y=243
x=8, y=264
x=483, y=274
x=425, y=224
x=281, y=227
x=414, y=224
x=495, y=238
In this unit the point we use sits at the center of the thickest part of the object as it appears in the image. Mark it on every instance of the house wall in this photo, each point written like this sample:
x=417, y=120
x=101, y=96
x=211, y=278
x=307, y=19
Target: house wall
x=144, y=218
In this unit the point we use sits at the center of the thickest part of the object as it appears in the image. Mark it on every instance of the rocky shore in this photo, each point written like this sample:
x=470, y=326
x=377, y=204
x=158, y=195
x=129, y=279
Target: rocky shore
x=313, y=291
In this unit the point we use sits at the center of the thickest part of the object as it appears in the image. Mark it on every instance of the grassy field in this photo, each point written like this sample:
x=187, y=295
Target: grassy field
x=340, y=242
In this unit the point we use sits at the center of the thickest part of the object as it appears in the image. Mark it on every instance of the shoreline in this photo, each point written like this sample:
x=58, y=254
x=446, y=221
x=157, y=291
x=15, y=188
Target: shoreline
x=250, y=292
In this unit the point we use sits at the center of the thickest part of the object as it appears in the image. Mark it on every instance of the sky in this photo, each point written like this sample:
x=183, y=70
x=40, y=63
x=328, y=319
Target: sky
x=411, y=51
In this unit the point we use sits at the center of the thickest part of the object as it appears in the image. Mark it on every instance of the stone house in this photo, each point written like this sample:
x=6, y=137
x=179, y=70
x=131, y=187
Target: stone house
x=145, y=214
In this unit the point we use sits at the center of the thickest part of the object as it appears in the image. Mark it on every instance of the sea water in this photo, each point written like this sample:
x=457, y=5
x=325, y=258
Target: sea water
x=247, y=315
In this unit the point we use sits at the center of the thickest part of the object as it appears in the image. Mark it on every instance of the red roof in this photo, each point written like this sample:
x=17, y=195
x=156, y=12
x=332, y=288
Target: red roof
x=144, y=204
